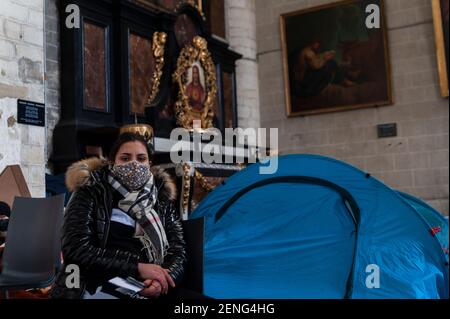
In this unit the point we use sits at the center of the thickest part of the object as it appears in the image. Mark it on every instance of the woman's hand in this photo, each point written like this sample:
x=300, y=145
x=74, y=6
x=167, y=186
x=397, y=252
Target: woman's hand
x=155, y=272
x=153, y=289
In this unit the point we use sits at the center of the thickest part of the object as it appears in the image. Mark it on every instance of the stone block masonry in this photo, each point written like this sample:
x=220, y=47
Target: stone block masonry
x=22, y=77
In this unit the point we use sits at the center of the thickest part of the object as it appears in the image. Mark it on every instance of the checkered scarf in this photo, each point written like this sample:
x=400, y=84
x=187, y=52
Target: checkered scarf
x=149, y=228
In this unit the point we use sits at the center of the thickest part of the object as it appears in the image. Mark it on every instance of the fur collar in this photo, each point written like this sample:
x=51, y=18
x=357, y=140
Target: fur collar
x=79, y=175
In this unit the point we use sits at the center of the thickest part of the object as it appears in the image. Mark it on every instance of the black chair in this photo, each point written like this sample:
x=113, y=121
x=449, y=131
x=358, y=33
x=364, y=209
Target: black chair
x=192, y=285
x=32, y=248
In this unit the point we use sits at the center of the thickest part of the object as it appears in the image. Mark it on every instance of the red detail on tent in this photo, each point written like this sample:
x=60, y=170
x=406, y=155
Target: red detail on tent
x=435, y=230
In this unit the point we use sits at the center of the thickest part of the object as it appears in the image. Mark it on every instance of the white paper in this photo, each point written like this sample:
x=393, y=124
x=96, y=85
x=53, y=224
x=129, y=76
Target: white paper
x=120, y=282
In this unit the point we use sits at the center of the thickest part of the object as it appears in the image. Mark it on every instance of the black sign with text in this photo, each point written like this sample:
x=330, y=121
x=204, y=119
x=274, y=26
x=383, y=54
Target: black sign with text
x=387, y=130
x=31, y=113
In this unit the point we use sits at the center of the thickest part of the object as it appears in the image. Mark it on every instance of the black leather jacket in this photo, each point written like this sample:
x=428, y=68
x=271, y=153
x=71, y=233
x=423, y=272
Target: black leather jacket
x=86, y=226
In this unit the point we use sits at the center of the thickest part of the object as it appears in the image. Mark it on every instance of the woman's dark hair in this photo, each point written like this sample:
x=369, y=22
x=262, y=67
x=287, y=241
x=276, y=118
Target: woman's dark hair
x=5, y=209
x=130, y=137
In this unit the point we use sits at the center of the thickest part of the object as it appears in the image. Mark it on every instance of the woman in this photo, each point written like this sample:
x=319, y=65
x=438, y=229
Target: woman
x=121, y=222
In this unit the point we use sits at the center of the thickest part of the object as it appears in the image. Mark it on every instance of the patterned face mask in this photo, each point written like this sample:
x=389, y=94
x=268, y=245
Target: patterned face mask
x=133, y=175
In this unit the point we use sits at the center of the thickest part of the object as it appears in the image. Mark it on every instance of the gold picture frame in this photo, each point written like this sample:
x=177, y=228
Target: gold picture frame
x=301, y=28
x=158, y=48
x=441, y=53
x=196, y=79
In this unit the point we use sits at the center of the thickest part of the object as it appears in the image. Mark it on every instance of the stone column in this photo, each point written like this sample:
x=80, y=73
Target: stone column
x=52, y=72
x=241, y=33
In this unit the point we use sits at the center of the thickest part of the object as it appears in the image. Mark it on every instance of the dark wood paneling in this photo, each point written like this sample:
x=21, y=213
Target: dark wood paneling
x=228, y=99
x=215, y=16
x=185, y=30
x=94, y=64
x=142, y=66
x=104, y=69
x=168, y=4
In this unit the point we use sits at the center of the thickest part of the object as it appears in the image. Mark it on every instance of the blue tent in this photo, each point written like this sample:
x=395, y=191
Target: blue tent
x=320, y=228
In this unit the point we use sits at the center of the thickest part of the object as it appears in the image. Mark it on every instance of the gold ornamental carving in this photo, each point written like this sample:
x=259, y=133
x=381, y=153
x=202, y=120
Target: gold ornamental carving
x=158, y=48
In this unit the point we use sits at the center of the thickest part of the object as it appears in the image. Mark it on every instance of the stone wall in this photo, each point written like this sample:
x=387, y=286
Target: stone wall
x=417, y=161
x=22, y=77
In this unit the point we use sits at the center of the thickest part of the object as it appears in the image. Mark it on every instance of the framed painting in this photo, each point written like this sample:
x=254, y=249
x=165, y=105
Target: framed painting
x=333, y=61
x=440, y=18
x=196, y=79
